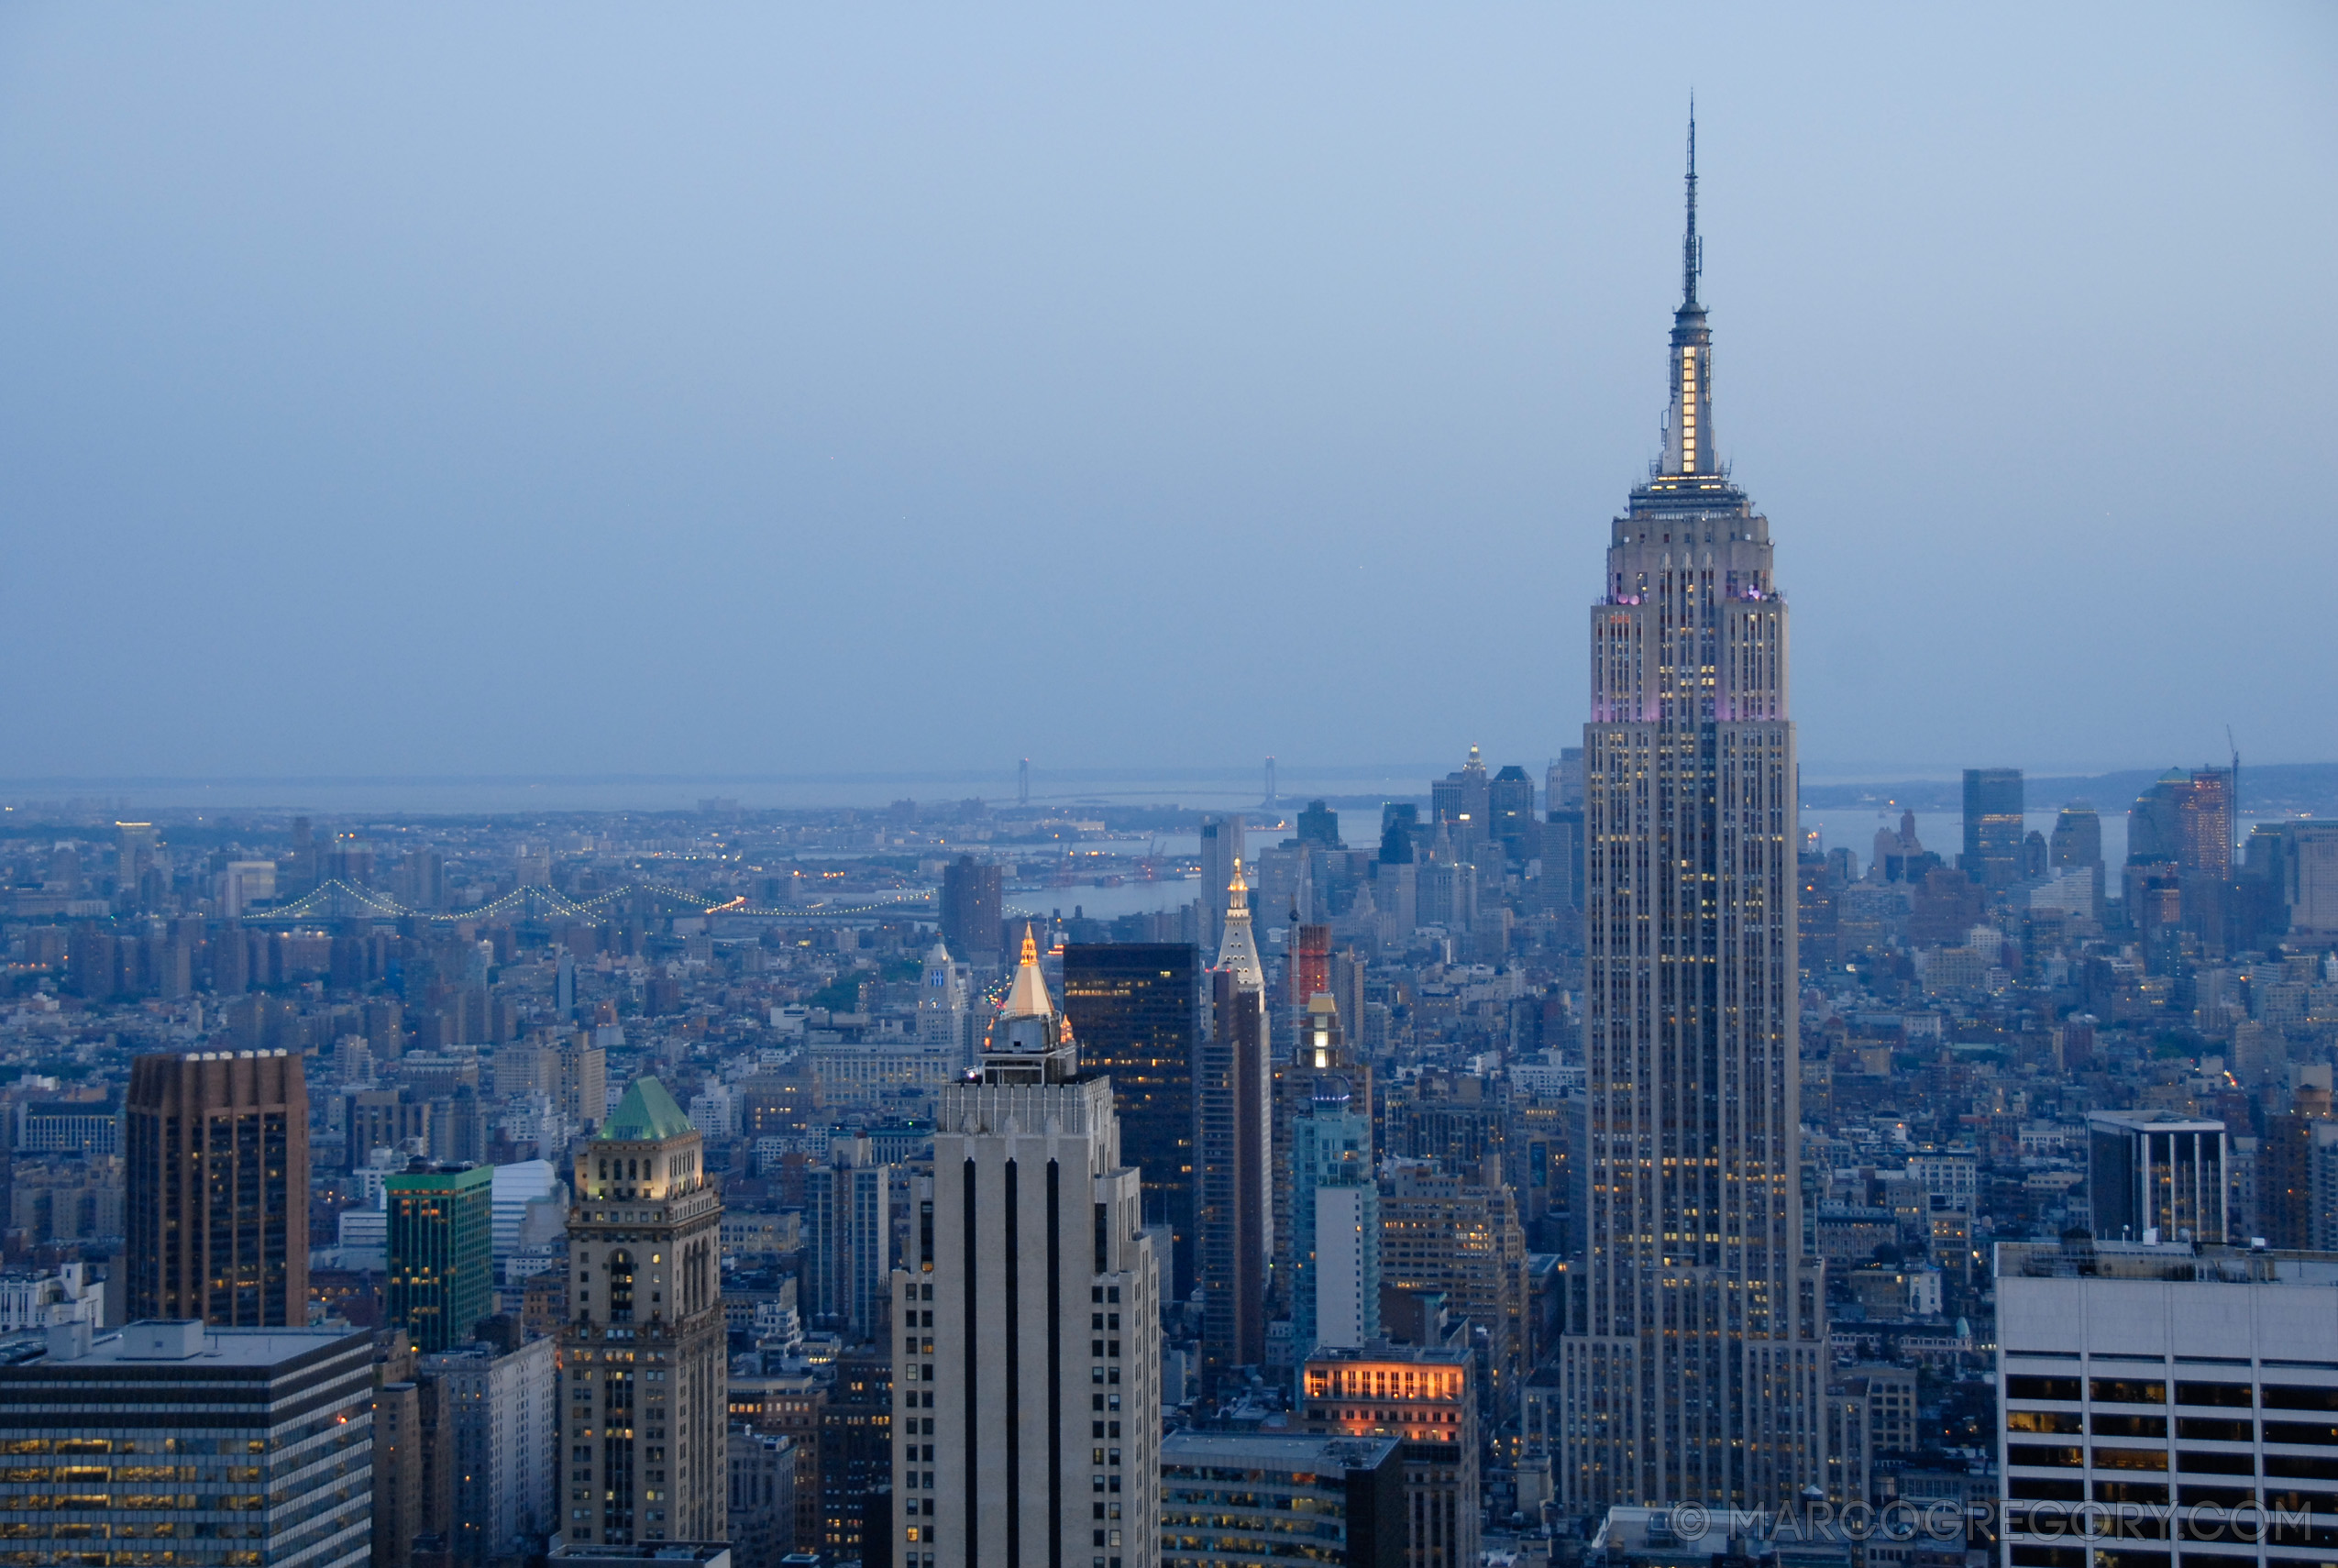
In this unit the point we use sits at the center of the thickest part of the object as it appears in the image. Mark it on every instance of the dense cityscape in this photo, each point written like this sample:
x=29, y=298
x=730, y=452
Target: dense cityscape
x=1584, y=1160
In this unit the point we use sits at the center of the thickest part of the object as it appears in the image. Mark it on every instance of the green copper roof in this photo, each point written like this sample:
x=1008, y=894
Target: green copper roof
x=647, y=1115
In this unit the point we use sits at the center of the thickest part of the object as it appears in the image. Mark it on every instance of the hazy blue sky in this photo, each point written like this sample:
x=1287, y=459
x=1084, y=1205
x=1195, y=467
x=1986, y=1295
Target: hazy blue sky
x=447, y=389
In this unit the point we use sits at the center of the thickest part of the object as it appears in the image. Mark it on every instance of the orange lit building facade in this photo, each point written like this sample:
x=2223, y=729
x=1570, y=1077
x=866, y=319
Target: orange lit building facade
x=1424, y=1397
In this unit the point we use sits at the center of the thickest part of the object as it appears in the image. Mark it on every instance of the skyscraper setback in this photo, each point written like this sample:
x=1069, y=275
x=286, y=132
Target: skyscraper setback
x=1699, y=1376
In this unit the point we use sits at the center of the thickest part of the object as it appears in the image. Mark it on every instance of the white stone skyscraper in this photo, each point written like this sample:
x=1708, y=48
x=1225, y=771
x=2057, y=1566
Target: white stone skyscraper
x=1696, y=1370
x=1027, y=1321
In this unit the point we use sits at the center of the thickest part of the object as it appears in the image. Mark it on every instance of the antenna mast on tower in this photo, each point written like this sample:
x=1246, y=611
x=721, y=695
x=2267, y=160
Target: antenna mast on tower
x=1692, y=247
x=2234, y=746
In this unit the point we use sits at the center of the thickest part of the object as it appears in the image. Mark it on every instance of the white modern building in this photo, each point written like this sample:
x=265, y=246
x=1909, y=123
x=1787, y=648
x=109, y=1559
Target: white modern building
x=2153, y=1397
x=518, y=1186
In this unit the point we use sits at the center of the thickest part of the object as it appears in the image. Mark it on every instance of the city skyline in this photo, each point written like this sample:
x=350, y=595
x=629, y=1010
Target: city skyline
x=1157, y=318
x=749, y=1096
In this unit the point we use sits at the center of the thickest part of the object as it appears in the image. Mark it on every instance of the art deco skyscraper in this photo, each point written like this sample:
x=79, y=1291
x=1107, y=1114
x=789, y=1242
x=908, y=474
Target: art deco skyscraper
x=643, y=1445
x=1699, y=1375
x=1026, y=1320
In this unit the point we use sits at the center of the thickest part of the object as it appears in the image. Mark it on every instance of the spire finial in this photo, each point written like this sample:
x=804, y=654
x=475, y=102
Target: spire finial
x=1692, y=248
x=1027, y=998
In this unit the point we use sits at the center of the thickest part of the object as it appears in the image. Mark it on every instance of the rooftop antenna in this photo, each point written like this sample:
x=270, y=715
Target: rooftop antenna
x=2234, y=746
x=1692, y=247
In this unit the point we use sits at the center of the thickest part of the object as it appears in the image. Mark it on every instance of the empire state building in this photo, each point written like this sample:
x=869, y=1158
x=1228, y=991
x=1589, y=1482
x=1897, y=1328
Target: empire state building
x=1695, y=1370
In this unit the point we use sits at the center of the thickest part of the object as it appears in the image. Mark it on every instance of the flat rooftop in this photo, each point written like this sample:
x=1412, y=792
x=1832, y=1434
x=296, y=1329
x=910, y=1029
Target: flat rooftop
x=242, y=1350
x=2172, y=1262
x=1275, y=1452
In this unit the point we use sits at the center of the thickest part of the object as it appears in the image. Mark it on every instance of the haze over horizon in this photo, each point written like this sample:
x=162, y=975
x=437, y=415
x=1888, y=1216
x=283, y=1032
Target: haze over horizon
x=577, y=393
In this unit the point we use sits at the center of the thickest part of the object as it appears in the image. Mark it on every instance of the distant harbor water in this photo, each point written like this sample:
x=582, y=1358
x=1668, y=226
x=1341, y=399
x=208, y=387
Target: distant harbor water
x=1070, y=796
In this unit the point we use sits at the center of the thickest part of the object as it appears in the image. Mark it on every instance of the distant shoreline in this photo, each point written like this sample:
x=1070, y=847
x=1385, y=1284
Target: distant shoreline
x=2275, y=789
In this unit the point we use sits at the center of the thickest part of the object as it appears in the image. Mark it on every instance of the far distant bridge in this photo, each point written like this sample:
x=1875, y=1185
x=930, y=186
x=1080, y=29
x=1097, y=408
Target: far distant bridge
x=339, y=901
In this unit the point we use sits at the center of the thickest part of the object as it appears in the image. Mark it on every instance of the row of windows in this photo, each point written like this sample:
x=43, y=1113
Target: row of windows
x=2211, y=1429
x=2310, y=1467
x=2154, y=1391
x=2244, y=1532
x=77, y=1447
x=100, y=1558
x=2055, y=1488
x=23, y=1475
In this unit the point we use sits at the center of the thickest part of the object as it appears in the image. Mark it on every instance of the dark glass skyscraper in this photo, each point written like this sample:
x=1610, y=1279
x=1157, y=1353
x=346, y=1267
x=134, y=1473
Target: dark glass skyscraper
x=1509, y=809
x=1699, y=1375
x=972, y=910
x=217, y=1213
x=1992, y=827
x=1136, y=1010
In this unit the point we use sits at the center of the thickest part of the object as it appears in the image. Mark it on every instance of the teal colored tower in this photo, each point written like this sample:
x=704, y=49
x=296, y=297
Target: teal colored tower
x=1335, y=1224
x=442, y=1251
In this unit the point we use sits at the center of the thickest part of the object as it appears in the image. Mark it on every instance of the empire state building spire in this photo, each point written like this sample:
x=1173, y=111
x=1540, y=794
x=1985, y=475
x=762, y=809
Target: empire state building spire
x=1688, y=423
x=1692, y=247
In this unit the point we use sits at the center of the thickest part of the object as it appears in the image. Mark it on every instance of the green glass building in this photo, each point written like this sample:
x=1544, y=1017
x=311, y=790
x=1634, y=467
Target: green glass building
x=442, y=1251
